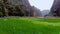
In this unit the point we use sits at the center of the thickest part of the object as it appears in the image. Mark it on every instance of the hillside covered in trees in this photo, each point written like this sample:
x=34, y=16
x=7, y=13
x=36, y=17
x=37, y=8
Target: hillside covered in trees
x=17, y=8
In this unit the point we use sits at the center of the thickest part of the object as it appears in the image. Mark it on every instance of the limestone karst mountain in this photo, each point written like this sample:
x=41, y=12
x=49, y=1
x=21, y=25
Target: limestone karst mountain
x=20, y=7
x=37, y=12
x=45, y=12
x=16, y=8
x=55, y=10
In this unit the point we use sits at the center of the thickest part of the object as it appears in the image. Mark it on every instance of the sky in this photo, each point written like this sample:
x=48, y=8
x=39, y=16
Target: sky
x=42, y=4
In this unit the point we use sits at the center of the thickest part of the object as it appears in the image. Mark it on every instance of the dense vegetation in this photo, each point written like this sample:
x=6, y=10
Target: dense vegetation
x=29, y=25
x=9, y=9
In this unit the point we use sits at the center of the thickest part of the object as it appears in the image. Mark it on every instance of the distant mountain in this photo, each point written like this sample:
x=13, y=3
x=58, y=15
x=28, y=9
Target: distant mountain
x=36, y=12
x=45, y=12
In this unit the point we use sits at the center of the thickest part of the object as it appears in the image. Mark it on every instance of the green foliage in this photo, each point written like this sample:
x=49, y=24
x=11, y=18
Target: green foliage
x=29, y=25
x=7, y=9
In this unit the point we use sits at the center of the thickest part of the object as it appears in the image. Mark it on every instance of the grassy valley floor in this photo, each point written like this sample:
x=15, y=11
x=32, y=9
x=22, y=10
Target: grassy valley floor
x=29, y=25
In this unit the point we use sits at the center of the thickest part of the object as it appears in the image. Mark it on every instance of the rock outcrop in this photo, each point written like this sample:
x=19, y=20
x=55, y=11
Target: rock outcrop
x=55, y=10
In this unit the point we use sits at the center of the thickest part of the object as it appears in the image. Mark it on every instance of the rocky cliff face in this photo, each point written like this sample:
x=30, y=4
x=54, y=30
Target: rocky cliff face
x=17, y=8
x=55, y=10
x=36, y=12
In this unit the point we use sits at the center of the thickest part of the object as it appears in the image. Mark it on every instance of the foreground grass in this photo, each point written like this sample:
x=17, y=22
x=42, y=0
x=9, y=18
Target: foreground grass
x=29, y=25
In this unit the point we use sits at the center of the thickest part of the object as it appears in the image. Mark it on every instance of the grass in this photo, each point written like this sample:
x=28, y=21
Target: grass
x=29, y=25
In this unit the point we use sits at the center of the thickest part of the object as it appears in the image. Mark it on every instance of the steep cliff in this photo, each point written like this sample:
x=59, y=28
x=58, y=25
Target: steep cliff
x=55, y=10
x=15, y=7
x=36, y=12
x=18, y=8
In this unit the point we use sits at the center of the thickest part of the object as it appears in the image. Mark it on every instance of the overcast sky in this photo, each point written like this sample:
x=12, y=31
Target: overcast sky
x=42, y=4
